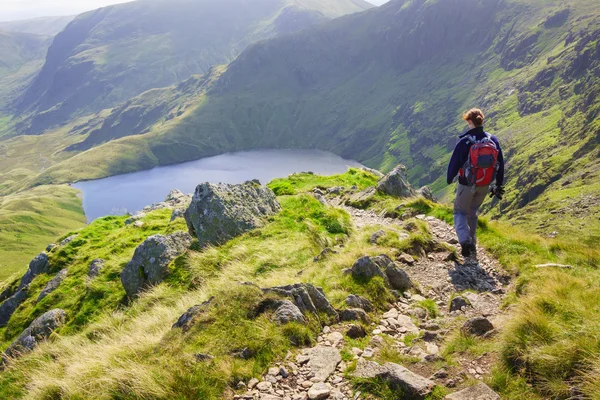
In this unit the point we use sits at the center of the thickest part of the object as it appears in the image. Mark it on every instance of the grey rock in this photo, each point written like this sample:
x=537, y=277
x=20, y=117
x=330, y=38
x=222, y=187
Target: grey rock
x=354, y=314
x=356, y=332
x=53, y=284
x=458, y=303
x=9, y=306
x=322, y=361
x=362, y=199
x=134, y=218
x=201, y=357
x=375, y=172
x=187, y=319
x=319, y=391
x=324, y=254
x=336, y=190
x=477, y=326
x=220, y=212
x=68, y=240
x=383, y=266
x=39, y=265
x=480, y=391
x=177, y=213
x=39, y=330
x=396, y=183
x=406, y=259
x=359, y=302
x=51, y=247
x=244, y=354
x=426, y=192
x=374, y=239
x=149, y=265
x=412, y=385
x=306, y=297
x=96, y=267
x=288, y=312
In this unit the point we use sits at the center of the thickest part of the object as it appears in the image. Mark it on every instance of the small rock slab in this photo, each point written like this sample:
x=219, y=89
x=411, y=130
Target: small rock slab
x=384, y=267
x=53, y=284
x=288, y=312
x=187, y=319
x=9, y=306
x=477, y=326
x=355, y=301
x=40, y=329
x=306, y=297
x=39, y=265
x=96, y=266
x=323, y=361
x=318, y=391
x=413, y=386
x=477, y=392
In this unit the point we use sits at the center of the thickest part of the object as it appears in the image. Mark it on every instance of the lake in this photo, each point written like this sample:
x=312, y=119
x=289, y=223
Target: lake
x=121, y=194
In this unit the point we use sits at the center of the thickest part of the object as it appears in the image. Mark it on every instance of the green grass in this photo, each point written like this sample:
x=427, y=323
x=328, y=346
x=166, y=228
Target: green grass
x=31, y=220
x=305, y=182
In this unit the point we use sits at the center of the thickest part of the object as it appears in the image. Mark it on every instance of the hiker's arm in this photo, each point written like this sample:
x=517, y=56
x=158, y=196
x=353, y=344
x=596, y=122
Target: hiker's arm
x=500, y=175
x=455, y=163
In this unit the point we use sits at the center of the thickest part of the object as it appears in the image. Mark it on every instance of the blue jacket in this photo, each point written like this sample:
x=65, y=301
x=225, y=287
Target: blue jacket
x=461, y=156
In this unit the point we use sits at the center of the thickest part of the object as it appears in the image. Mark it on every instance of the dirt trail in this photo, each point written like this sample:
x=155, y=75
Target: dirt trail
x=460, y=290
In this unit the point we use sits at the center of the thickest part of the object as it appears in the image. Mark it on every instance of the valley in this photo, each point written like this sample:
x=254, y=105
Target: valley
x=105, y=113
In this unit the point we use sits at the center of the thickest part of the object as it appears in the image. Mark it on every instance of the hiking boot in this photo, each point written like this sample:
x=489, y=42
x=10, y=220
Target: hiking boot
x=465, y=249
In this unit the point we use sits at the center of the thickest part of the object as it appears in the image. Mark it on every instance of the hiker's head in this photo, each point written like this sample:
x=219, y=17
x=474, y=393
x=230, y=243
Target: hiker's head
x=474, y=118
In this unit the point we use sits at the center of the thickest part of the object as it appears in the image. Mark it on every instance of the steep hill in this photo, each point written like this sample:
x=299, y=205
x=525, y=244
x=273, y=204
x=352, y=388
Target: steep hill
x=45, y=26
x=388, y=85
x=107, y=56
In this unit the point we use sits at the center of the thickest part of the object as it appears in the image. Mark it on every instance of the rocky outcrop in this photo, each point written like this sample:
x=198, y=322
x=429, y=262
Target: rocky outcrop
x=426, y=192
x=149, y=265
x=413, y=386
x=480, y=391
x=355, y=301
x=39, y=265
x=477, y=326
x=306, y=297
x=188, y=318
x=96, y=266
x=8, y=308
x=384, y=267
x=53, y=284
x=220, y=212
x=396, y=183
x=39, y=330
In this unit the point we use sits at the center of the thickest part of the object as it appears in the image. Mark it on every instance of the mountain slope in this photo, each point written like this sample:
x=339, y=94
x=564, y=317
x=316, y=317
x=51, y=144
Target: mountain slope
x=109, y=55
x=46, y=26
x=388, y=85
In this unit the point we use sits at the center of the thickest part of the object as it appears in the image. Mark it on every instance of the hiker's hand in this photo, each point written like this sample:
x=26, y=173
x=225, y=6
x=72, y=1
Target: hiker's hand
x=497, y=191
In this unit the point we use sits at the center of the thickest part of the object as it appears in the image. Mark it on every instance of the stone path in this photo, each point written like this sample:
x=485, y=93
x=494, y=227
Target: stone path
x=462, y=291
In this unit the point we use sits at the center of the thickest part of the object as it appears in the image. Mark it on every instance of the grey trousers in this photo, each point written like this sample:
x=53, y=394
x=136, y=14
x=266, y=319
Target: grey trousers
x=466, y=208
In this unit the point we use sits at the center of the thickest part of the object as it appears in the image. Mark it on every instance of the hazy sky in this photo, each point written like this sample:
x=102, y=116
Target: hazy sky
x=12, y=10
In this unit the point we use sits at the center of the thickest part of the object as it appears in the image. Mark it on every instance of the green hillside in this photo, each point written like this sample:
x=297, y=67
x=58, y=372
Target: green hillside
x=111, y=54
x=46, y=26
x=388, y=85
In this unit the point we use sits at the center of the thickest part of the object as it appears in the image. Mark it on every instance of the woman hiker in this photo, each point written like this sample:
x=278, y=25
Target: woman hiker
x=478, y=161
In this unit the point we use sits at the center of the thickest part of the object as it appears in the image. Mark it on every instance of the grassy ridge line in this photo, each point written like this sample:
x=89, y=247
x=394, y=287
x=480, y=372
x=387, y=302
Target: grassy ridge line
x=32, y=219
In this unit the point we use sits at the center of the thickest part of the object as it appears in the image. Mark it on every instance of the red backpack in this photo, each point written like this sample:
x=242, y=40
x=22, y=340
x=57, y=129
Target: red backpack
x=480, y=169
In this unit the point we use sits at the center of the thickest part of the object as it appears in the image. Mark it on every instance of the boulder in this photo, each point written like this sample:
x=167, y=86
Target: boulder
x=149, y=265
x=426, y=192
x=458, y=303
x=220, y=212
x=355, y=301
x=288, y=312
x=480, y=391
x=322, y=361
x=8, y=308
x=306, y=297
x=477, y=326
x=39, y=265
x=356, y=332
x=39, y=330
x=53, y=284
x=396, y=183
x=413, y=386
x=383, y=266
x=188, y=318
x=354, y=314
x=96, y=266
x=362, y=199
